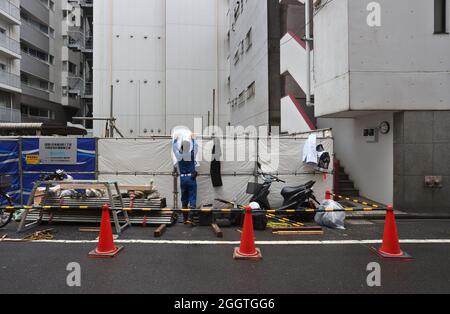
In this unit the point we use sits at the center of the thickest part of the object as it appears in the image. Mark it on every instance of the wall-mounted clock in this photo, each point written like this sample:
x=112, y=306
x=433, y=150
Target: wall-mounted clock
x=385, y=127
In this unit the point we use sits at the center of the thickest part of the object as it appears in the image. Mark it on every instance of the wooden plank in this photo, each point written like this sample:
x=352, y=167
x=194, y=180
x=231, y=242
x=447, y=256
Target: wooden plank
x=289, y=233
x=69, y=186
x=89, y=230
x=297, y=229
x=217, y=231
x=160, y=231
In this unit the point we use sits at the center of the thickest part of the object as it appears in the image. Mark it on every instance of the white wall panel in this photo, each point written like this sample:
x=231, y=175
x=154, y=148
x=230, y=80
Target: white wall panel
x=171, y=45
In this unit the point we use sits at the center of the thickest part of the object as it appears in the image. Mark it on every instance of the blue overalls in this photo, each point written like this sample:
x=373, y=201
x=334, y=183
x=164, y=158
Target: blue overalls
x=186, y=164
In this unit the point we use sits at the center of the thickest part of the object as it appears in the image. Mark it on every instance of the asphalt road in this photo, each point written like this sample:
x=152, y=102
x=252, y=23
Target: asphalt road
x=317, y=267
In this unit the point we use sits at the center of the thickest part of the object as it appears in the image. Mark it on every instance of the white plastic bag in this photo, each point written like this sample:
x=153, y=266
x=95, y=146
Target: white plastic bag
x=180, y=133
x=333, y=220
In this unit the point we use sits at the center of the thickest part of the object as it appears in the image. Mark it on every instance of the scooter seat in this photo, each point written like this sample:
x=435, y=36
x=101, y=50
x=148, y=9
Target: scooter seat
x=289, y=191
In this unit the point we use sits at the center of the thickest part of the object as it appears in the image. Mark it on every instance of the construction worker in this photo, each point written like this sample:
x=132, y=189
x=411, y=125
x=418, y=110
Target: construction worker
x=188, y=174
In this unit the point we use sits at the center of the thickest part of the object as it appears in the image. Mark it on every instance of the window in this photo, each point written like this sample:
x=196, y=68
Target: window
x=35, y=82
x=24, y=110
x=248, y=40
x=72, y=68
x=24, y=78
x=43, y=85
x=34, y=52
x=34, y=23
x=236, y=57
x=241, y=98
x=251, y=90
x=33, y=112
x=440, y=16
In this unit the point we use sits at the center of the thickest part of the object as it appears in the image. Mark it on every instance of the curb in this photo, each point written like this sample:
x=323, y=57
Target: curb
x=400, y=216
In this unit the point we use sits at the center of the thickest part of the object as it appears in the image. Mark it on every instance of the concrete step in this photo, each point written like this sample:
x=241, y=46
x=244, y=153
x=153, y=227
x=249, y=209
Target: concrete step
x=348, y=192
x=346, y=184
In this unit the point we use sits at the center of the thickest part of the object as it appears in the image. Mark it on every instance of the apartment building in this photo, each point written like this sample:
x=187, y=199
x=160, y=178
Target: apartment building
x=10, y=59
x=159, y=64
x=268, y=65
x=382, y=72
x=254, y=57
x=47, y=60
x=380, y=84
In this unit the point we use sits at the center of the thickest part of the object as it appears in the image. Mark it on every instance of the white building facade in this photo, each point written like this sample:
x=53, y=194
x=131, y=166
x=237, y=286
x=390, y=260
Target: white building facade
x=382, y=72
x=164, y=62
x=10, y=59
x=254, y=58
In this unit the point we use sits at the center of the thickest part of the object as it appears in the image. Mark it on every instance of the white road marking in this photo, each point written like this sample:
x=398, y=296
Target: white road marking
x=186, y=242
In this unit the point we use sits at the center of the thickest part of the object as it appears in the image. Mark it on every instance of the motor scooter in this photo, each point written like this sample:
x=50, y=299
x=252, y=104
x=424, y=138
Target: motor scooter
x=294, y=197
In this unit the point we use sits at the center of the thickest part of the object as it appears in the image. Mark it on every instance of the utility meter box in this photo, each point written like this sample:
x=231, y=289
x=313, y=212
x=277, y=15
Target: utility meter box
x=371, y=135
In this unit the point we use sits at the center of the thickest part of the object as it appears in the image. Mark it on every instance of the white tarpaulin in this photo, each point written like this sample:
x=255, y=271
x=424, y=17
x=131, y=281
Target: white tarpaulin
x=131, y=156
x=154, y=156
x=138, y=161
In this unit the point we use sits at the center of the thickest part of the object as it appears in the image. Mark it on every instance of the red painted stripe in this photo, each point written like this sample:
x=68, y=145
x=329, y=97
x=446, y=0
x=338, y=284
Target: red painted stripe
x=302, y=112
x=298, y=39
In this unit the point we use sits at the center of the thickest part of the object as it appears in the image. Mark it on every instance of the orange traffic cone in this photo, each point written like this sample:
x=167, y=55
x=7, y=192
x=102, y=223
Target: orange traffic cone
x=391, y=244
x=247, y=250
x=106, y=247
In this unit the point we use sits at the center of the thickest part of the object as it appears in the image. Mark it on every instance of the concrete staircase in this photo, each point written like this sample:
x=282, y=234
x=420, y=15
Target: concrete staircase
x=346, y=185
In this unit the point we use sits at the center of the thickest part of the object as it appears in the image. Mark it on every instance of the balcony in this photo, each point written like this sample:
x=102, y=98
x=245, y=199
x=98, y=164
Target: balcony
x=86, y=3
x=9, y=12
x=9, y=115
x=10, y=82
x=39, y=10
x=88, y=90
x=78, y=41
x=76, y=85
x=89, y=44
x=35, y=66
x=9, y=47
x=35, y=37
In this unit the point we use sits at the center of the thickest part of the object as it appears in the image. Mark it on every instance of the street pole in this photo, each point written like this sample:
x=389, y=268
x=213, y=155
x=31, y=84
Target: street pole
x=308, y=39
x=111, y=115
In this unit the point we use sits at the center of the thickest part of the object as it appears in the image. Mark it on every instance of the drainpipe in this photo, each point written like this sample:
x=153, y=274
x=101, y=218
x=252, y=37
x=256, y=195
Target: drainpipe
x=216, y=94
x=308, y=39
x=12, y=108
x=111, y=51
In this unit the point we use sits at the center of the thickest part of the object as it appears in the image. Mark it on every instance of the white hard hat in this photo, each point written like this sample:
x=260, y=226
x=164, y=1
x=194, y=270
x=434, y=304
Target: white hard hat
x=254, y=206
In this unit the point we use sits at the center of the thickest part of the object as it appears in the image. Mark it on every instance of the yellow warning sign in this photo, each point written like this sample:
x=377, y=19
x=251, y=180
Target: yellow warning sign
x=32, y=159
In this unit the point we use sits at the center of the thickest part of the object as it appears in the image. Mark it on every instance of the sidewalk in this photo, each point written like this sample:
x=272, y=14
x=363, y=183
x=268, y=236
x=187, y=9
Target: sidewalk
x=380, y=215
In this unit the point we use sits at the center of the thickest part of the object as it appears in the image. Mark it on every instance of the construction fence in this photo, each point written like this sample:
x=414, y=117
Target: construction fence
x=142, y=160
